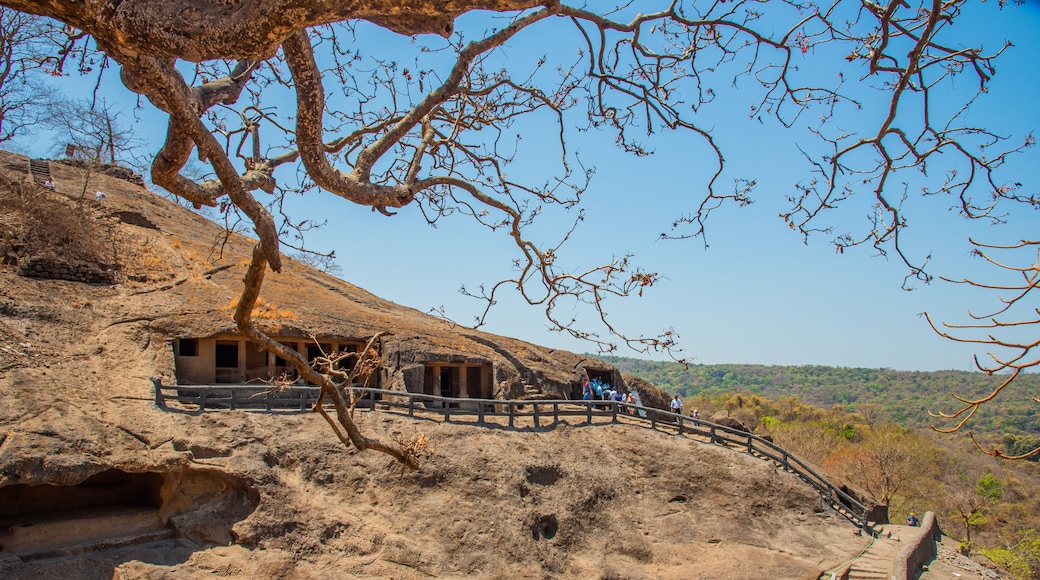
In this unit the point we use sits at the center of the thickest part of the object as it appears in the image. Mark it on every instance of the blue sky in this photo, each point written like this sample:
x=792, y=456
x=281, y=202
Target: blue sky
x=756, y=294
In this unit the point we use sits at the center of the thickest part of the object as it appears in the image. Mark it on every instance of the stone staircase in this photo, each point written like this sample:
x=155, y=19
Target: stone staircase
x=875, y=563
x=534, y=394
x=40, y=169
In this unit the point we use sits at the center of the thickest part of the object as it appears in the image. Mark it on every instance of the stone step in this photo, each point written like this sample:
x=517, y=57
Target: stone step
x=85, y=530
x=40, y=170
x=872, y=567
x=109, y=543
x=876, y=562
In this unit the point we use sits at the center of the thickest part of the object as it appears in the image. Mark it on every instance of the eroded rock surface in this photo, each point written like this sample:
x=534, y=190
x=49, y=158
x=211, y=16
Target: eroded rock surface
x=248, y=494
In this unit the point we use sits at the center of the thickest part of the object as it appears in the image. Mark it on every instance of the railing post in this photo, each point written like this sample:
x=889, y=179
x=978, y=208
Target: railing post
x=613, y=412
x=480, y=413
x=713, y=434
x=588, y=409
x=411, y=405
x=267, y=400
x=653, y=419
x=234, y=401
x=750, y=442
x=534, y=408
x=556, y=413
x=512, y=413
x=160, y=401
x=303, y=399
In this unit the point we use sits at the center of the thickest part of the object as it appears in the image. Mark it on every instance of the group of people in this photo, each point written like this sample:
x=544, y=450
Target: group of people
x=597, y=390
x=676, y=406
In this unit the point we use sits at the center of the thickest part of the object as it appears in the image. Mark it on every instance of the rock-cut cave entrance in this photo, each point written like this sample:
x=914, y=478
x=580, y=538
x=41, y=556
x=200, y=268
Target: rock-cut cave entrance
x=111, y=507
x=116, y=508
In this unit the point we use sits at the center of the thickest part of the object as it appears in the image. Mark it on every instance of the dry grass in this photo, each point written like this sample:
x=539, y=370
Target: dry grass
x=39, y=222
x=264, y=311
x=152, y=262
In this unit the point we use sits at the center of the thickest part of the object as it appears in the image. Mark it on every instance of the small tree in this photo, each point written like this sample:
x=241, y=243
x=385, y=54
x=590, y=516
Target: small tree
x=889, y=463
x=32, y=50
x=91, y=132
x=968, y=500
x=23, y=98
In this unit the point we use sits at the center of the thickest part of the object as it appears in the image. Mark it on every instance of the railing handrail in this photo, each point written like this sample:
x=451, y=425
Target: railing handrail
x=301, y=396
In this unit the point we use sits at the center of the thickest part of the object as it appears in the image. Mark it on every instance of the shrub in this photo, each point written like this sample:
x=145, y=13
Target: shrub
x=39, y=222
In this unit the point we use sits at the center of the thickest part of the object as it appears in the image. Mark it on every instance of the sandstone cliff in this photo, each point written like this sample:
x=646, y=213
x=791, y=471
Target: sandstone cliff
x=97, y=482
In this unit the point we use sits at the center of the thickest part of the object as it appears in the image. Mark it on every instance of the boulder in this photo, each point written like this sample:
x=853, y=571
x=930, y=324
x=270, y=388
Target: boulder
x=723, y=418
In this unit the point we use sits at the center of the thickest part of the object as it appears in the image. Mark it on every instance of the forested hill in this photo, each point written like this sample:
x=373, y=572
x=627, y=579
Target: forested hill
x=902, y=396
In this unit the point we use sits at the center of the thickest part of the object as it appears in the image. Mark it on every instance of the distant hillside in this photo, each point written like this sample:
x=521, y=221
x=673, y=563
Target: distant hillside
x=902, y=396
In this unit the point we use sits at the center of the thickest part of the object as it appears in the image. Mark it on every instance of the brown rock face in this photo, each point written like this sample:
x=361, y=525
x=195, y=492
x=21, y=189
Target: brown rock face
x=723, y=418
x=98, y=482
x=649, y=394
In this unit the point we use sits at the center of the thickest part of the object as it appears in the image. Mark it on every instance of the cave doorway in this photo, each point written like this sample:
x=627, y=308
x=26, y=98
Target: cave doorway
x=109, y=507
x=450, y=383
x=457, y=381
x=114, y=509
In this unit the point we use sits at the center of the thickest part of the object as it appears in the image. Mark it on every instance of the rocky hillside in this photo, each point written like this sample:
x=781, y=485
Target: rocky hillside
x=97, y=482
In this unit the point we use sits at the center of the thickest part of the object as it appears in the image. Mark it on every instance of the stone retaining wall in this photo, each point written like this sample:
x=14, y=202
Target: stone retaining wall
x=55, y=269
x=918, y=551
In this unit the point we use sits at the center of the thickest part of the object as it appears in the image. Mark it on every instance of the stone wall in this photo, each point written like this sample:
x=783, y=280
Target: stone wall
x=918, y=551
x=55, y=269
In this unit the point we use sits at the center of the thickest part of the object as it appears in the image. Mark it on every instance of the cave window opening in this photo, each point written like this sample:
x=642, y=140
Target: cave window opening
x=188, y=347
x=227, y=354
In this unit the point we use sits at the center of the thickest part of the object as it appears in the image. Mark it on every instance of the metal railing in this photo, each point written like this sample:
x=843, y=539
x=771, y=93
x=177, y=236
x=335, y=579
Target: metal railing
x=538, y=412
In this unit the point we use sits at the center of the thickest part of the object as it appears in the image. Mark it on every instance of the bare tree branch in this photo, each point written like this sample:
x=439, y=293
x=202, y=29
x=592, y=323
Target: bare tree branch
x=441, y=134
x=1015, y=316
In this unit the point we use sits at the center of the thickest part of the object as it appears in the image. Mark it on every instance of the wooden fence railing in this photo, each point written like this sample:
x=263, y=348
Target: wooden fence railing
x=539, y=412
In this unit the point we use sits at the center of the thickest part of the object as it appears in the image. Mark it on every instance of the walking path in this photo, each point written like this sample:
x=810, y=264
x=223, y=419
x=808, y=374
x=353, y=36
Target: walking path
x=514, y=413
x=876, y=562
